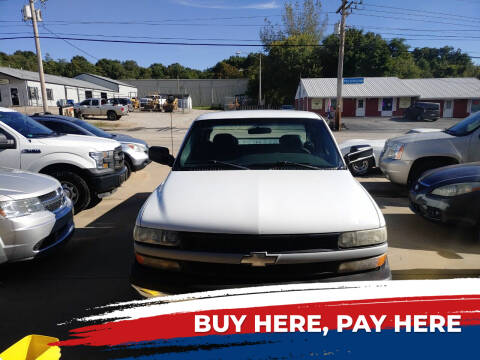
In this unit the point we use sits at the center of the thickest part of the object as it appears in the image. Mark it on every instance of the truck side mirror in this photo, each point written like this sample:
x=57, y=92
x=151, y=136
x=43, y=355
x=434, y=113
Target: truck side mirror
x=6, y=143
x=161, y=155
x=358, y=154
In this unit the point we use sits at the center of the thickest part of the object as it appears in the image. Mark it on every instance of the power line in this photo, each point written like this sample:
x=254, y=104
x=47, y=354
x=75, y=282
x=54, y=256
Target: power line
x=423, y=12
x=72, y=45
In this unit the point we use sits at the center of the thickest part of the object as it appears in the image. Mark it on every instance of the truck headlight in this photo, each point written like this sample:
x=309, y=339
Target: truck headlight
x=101, y=158
x=456, y=189
x=394, y=151
x=362, y=238
x=134, y=147
x=156, y=236
x=23, y=207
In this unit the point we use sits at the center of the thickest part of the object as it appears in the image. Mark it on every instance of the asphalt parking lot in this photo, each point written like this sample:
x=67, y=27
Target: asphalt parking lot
x=93, y=269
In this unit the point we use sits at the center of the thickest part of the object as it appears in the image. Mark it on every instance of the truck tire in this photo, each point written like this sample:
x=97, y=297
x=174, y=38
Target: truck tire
x=128, y=165
x=111, y=115
x=75, y=187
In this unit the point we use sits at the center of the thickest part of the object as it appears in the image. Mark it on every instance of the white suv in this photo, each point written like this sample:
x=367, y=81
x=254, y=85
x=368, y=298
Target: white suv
x=260, y=193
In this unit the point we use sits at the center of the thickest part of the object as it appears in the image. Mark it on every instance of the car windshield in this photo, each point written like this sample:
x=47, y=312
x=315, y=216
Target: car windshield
x=25, y=125
x=466, y=126
x=259, y=144
x=91, y=128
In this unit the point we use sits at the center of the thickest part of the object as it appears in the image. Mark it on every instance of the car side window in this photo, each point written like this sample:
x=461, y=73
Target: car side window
x=61, y=127
x=85, y=102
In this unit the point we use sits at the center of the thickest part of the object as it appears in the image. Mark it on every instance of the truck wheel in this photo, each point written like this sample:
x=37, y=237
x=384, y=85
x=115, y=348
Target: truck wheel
x=128, y=165
x=422, y=166
x=111, y=115
x=94, y=201
x=419, y=118
x=75, y=187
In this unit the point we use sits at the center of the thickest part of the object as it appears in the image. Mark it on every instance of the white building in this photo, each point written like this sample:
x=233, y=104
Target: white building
x=22, y=88
x=120, y=88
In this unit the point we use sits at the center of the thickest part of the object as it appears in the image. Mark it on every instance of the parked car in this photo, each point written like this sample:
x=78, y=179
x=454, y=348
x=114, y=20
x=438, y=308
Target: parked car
x=35, y=215
x=99, y=107
x=89, y=168
x=254, y=193
x=405, y=158
x=135, y=150
x=420, y=111
x=450, y=194
x=123, y=102
x=364, y=167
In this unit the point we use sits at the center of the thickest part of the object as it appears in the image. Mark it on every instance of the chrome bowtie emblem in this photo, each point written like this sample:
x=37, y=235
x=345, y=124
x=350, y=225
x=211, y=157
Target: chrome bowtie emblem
x=259, y=259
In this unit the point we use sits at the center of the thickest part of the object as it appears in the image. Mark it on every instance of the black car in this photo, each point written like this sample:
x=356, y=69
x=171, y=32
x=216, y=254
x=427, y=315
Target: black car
x=423, y=111
x=135, y=150
x=450, y=195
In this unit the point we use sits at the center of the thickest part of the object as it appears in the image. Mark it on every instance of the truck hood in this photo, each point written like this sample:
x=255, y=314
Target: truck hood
x=423, y=136
x=18, y=184
x=92, y=143
x=261, y=202
x=128, y=139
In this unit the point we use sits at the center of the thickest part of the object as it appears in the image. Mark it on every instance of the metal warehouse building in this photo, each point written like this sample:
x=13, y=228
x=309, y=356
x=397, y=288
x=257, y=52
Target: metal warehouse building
x=22, y=88
x=389, y=96
x=121, y=89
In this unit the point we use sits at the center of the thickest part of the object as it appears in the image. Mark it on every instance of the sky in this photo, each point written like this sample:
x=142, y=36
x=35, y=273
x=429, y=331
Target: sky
x=432, y=23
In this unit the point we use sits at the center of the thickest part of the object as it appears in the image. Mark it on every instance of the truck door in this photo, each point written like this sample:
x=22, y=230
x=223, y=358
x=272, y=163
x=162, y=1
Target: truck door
x=9, y=150
x=95, y=107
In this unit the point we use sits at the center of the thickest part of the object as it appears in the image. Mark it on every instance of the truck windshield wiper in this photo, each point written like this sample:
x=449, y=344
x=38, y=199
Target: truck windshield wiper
x=238, y=166
x=291, y=163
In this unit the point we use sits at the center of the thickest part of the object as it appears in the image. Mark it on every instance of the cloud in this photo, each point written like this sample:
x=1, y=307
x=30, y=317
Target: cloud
x=223, y=4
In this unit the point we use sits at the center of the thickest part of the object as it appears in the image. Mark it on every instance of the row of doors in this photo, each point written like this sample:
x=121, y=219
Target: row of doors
x=387, y=106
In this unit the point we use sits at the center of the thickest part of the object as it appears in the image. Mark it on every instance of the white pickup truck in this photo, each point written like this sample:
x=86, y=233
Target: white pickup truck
x=88, y=168
x=99, y=107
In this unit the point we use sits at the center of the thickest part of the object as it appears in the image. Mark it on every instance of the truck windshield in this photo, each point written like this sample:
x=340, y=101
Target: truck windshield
x=304, y=144
x=25, y=125
x=466, y=126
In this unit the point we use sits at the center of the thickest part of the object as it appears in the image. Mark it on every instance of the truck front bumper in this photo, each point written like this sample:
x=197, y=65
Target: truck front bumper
x=31, y=236
x=396, y=170
x=138, y=159
x=104, y=183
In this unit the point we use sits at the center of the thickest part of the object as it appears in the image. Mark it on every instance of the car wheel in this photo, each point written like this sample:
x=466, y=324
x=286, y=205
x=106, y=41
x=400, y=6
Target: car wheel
x=75, y=188
x=111, y=115
x=360, y=168
x=128, y=165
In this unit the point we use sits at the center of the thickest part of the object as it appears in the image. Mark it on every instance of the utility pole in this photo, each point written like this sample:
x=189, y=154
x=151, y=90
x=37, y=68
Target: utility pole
x=260, y=102
x=39, y=56
x=343, y=10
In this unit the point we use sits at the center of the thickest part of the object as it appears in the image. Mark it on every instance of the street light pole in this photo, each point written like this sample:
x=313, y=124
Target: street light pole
x=260, y=102
x=39, y=57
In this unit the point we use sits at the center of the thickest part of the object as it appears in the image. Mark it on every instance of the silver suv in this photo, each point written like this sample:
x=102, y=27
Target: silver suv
x=404, y=159
x=35, y=215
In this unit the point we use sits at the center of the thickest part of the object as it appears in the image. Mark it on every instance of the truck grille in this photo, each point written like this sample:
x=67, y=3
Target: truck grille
x=235, y=243
x=53, y=200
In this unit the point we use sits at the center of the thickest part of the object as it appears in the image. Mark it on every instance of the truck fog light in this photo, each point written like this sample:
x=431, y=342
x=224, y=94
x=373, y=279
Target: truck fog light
x=163, y=264
x=156, y=236
x=362, y=238
x=362, y=265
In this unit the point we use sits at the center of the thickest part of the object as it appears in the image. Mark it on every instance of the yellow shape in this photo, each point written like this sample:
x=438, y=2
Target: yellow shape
x=32, y=347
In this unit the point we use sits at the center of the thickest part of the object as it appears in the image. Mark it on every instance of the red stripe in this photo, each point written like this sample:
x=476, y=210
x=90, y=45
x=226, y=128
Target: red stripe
x=181, y=325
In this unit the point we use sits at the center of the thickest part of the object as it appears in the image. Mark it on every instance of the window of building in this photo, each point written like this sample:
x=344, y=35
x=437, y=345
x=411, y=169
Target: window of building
x=103, y=95
x=49, y=94
x=387, y=104
x=88, y=94
x=33, y=93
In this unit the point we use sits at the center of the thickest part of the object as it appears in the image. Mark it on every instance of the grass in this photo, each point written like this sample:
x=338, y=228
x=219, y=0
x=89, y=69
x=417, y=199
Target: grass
x=214, y=107
x=104, y=124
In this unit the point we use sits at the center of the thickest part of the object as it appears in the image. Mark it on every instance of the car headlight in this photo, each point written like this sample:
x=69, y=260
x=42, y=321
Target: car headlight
x=23, y=207
x=362, y=238
x=156, y=236
x=394, y=151
x=101, y=158
x=134, y=147
x=456, y=189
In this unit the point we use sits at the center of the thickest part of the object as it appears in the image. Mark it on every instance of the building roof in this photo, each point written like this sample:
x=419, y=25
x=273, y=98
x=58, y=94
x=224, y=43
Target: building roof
x=52, y=79
x=372, y=87
x=108, y=79
x=445, y=88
